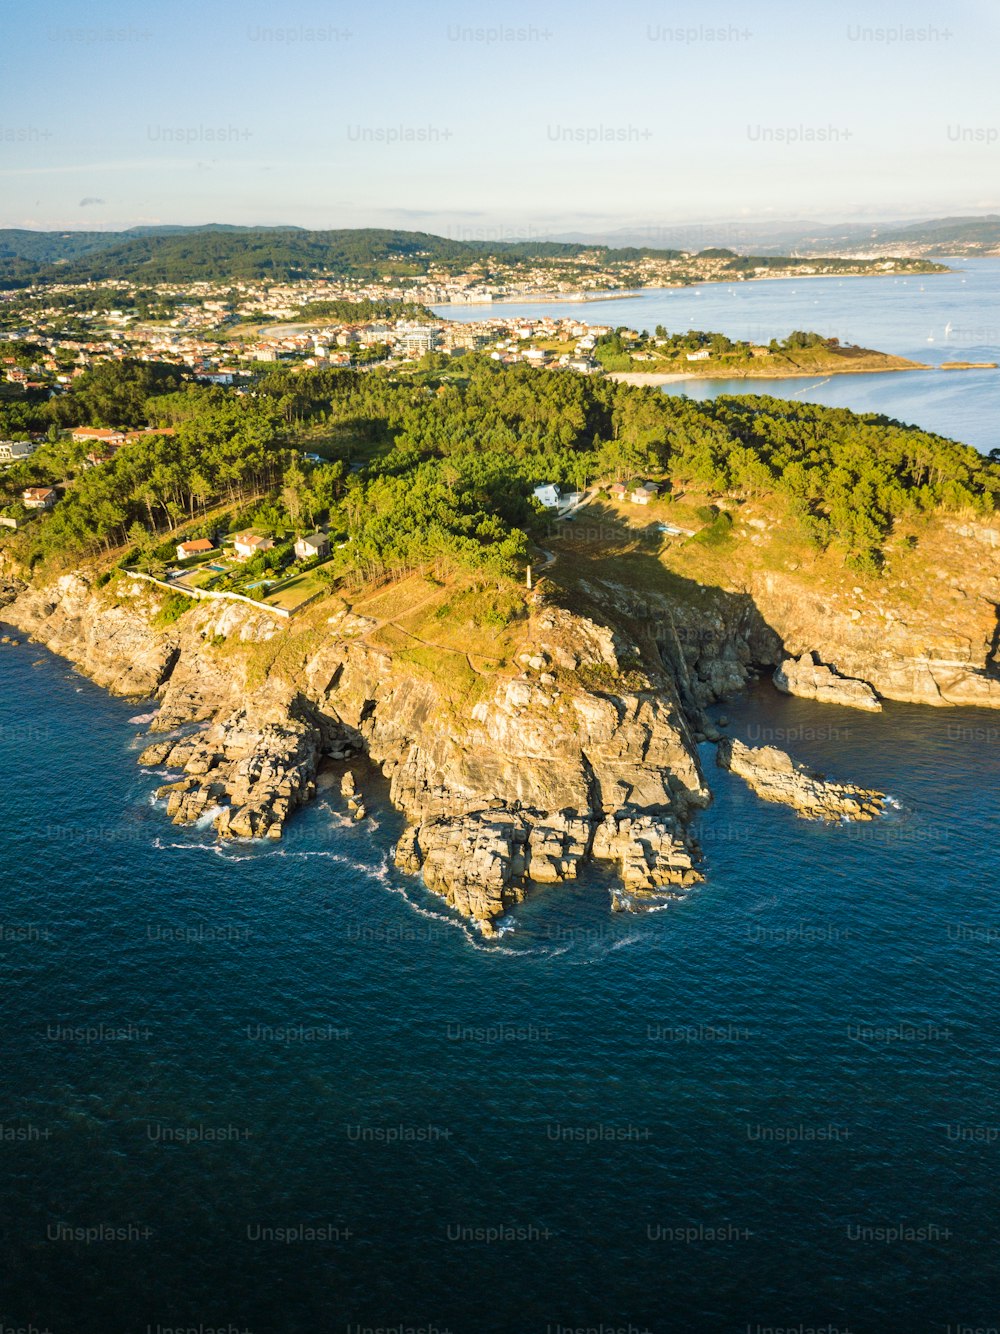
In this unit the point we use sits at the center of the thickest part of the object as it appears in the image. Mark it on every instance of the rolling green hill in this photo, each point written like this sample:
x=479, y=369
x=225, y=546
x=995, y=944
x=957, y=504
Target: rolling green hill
x=281, y=253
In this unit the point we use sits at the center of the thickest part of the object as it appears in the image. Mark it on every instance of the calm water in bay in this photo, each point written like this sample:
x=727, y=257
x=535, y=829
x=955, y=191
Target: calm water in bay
x=281, y=1089
x=929, y=318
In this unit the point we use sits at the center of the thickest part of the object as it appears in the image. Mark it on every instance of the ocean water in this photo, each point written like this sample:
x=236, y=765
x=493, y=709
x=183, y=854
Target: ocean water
x=282, y=1089
x=928, y=318
x=279, y=1089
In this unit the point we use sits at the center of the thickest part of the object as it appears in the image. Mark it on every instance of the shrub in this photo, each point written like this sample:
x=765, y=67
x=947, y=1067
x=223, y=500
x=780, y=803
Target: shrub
x=174, y=606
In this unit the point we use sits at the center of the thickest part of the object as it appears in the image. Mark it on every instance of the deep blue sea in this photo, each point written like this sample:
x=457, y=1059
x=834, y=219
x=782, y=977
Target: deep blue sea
x=282, y=1090
x=929, y=318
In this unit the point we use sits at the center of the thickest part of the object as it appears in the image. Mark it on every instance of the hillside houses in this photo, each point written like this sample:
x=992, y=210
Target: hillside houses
x=247, y=545
x=644, y=493
x=314, y=546
x=547, y=496
x=198, y=546
x=14, y=451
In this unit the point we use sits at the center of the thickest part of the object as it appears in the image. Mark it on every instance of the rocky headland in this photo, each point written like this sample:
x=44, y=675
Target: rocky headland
x=581, y=745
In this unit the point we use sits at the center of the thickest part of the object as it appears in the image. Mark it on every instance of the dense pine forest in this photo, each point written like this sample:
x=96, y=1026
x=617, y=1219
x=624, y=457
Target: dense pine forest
x=441, y=464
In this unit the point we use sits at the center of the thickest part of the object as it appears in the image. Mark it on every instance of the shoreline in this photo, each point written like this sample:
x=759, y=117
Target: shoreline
x=650, y=378
x=634, y=292
x=547, y=298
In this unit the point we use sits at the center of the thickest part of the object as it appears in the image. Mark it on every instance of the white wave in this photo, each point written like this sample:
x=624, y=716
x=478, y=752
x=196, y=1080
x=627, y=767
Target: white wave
x=208, y=817
x=143, y=717
x=218, y=849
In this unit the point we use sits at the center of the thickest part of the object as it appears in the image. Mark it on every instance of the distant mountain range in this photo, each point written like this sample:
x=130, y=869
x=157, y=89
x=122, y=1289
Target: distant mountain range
x=210, y=253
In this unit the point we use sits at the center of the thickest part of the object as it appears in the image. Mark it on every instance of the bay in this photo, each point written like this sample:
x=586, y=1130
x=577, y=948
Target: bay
x=929, y=318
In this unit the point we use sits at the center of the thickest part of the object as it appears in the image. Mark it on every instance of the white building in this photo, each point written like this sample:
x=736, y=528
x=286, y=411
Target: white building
x=313, y=545
x=12, y=451
x=247, y=545
x=547, y=496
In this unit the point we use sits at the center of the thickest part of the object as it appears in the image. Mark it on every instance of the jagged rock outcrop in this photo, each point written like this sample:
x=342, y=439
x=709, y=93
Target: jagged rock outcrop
x=775, y=776
x=258, y=766
x=650, y=850
x=810, y=679
x=475, y=862
x=711, y=644
x=516, y=793
x=509, y=792
x=118, y=649
x=9, y=590
x=584, y=748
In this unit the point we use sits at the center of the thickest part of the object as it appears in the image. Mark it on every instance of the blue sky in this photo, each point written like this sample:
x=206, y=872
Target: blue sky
x=494, y=120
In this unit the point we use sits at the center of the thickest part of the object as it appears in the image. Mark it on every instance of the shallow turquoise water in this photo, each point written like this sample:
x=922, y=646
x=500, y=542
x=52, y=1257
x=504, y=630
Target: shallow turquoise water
x=682, y=1121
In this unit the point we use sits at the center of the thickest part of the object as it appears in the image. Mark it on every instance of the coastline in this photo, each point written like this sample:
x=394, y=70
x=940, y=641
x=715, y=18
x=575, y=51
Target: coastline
x=652, y=378
x=496, y=792
x=587, y=298
x=530, y=298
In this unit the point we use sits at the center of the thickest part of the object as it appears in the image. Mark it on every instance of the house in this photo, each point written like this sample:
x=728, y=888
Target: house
x=619, y=490
x=39, y=498
x=99, y=433
x=702, y=354
x=145, y=432
x=642, y=495
x=313, y=546
x=547, y=496
x=12, y=451
x=247, y=545
x=196, y=547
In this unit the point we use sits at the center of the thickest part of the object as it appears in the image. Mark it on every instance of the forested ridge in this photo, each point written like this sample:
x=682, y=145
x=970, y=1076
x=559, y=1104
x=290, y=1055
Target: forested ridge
x=441, y=465
x=213, y=254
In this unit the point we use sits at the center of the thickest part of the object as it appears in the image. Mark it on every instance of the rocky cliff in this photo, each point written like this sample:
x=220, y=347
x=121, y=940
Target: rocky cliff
x=923, y=631
x=809, y=679
x=542, y=772
x=579, y=746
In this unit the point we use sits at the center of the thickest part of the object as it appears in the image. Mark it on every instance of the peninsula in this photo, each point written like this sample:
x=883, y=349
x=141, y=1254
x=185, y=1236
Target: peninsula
x=516, y=592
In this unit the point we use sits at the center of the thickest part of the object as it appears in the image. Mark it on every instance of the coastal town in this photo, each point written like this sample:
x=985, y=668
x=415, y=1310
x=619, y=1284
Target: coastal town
x=224, y=331
x=204, y=341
